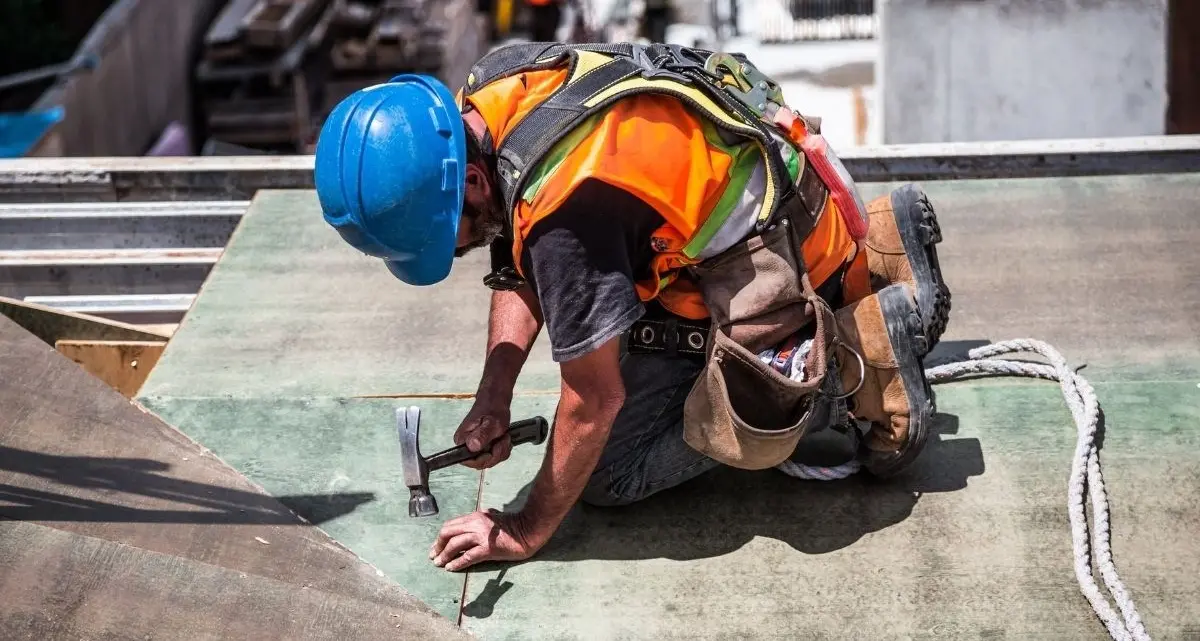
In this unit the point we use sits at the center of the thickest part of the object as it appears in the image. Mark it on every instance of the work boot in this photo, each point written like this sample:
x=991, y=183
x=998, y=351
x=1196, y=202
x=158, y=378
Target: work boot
x=901, y=248
x=880, y=342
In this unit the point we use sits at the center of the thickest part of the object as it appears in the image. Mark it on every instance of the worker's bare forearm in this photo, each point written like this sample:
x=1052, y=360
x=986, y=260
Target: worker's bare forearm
x=513, y=325
x=580, y=433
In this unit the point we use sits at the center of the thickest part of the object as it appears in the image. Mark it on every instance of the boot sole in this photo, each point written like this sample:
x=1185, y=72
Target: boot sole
x=906, y=332
x=920, y=232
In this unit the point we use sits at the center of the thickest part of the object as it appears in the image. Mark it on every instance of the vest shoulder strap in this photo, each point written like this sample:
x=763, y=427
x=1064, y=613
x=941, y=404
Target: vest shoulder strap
x=601, y=74
x=523, y=57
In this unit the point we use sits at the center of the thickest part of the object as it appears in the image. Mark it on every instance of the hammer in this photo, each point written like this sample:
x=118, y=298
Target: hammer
x=417, y=467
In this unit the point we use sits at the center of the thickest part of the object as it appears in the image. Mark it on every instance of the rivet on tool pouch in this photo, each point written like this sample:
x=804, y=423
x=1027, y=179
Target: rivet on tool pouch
x=417, y=468
x=741, y=412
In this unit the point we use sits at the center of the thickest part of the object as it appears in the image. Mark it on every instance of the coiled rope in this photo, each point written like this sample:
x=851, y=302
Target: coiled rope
x=1085, y=476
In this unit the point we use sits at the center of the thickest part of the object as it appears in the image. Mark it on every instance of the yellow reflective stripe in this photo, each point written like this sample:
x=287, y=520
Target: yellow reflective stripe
x=586, y=62
x=704, y=103
x=697, y=96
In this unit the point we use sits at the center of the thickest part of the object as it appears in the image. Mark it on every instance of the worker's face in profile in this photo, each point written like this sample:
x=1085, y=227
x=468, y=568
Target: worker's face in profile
x=482, y=216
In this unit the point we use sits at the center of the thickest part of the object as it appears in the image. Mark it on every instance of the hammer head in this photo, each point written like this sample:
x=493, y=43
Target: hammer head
x=416, y=472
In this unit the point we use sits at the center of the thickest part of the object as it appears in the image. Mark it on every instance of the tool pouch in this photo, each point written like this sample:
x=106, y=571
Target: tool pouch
x=741, y=412
x=753, y=290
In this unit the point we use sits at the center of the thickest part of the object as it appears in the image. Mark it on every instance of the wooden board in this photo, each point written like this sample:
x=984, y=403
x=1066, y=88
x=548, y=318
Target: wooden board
x=127, y=506
x=123, y=365
x=58, y=585
x=52, y=325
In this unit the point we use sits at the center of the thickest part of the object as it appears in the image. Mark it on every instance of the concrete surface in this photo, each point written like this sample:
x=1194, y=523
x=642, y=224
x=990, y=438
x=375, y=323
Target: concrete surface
x=963, y=70
x=292, y=328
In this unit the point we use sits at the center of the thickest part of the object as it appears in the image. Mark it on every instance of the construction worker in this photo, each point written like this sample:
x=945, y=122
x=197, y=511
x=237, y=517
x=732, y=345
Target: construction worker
x=618, y=196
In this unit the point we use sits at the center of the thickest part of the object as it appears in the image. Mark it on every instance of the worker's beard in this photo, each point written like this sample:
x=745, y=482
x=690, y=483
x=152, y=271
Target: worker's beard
x=486, y=225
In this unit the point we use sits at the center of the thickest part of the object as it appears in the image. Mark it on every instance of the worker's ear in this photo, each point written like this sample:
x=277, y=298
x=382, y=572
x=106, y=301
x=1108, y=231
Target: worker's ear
x=477, y=183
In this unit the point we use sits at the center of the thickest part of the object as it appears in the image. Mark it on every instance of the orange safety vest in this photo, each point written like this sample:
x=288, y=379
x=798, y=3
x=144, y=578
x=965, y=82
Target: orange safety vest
x=709, y=189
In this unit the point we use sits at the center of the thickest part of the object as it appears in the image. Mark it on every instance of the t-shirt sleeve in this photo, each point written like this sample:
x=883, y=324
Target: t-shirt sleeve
x=582, y=261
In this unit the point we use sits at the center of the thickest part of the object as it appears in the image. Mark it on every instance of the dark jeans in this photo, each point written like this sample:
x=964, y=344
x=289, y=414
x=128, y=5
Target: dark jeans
x=646, y=452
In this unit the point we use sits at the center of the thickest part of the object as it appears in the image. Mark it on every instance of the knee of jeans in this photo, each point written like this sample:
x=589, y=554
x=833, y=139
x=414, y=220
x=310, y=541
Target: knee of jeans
x=604, y=491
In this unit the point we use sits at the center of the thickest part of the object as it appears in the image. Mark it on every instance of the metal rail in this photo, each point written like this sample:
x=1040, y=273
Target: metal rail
x=118, y=225
x=238, y=178
x=104, y=271
x=128, y=308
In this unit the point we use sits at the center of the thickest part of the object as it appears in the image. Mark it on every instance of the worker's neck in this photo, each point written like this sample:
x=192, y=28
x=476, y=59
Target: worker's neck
x=475, y=124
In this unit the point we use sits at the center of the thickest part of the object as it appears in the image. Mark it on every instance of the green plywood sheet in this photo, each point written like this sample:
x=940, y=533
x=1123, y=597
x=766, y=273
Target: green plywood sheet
x=1100, y=267
x=973, y=543
x=292, y=324
x=292, y=310
x=346, y=448
x=298, y=447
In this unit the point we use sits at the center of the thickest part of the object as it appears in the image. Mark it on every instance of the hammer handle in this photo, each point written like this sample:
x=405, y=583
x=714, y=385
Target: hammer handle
x=531, y=430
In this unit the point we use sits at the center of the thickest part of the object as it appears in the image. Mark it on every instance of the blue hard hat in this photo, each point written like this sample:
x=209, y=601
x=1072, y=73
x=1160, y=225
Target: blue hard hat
x=390, y=170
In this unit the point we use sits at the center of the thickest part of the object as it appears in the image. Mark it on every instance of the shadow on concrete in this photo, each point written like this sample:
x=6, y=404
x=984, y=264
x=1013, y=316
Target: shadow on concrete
x=483, y=605
x=95, y=489
x=951, y=351
x=723, y=510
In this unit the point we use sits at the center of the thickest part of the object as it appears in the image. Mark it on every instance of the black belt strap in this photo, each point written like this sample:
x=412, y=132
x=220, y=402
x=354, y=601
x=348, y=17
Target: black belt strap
x=669, y=336
x=550, y=122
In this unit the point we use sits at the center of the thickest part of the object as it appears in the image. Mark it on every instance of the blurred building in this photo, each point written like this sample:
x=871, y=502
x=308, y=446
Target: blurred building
x=970, y=70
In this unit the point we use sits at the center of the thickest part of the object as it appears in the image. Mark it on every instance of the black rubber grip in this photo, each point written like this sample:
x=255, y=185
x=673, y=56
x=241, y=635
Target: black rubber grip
x=531, y=430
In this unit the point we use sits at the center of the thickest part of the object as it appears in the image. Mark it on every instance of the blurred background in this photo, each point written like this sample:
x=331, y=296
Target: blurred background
x=222, y=77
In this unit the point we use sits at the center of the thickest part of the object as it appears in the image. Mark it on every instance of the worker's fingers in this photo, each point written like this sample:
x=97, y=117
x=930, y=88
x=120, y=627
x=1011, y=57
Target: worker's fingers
x=457, y=546
x=499, y=452
x=467, y=559
x=485, y=432
x=466, y=430
x=451, y=529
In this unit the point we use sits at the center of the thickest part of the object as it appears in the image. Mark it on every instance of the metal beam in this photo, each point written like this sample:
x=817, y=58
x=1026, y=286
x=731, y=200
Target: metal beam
x=152, y=308
x=238, y=178
x=160, y=225
x=33, y=180
x=91, y=272
x=1025, y=159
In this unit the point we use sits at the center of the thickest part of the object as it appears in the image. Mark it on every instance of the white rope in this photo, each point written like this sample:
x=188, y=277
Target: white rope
x=1085, y=468
x=813, y=473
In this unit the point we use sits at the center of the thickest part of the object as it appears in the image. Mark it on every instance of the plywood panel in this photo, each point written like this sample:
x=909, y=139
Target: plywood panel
x=59, y=585
x=289, y=294
x=296, y=447
x=974, y=543
x=123, y=365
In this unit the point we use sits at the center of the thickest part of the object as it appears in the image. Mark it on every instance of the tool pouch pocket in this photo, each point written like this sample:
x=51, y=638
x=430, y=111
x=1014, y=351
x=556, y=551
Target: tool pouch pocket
x=753, y=291
x=741, y=412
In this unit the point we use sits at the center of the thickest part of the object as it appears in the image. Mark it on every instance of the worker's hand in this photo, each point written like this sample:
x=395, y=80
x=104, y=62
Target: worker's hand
x=483, y=536
x=485, y=423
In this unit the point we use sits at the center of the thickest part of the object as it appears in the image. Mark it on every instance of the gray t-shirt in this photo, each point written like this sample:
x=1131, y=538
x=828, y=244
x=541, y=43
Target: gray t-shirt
x=583, y=260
